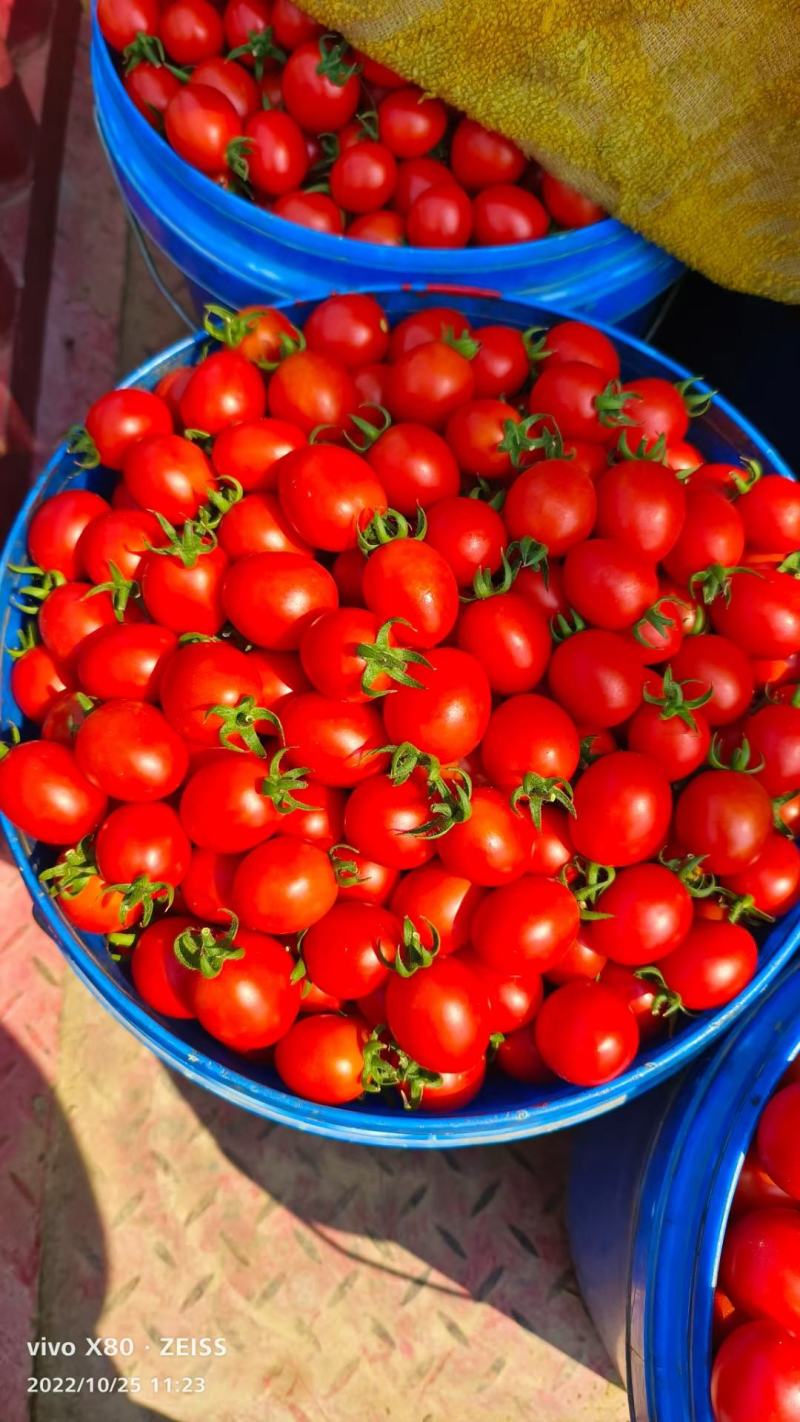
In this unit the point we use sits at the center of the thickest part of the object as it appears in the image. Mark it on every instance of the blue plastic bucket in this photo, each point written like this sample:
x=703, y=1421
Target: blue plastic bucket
x=650, y=1192
x=505, y=1110
x=234, y=252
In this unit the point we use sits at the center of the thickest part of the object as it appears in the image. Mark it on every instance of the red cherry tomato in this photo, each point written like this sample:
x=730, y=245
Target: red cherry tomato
x=586, y=1034
x=529, y=924
x=712, y=965
x=504, y=214
x=201, y=124
x=756, y=1373
x=320, y=85
x=328, y=494
x=440, y=1015
x=726, y=816
x=623, y=804
x=409, y=123
x=164, y=983
x=122, y=20
x=493, y=846
x=567, y=206
x=45, y=793
x=130, y=751
x=322, y=1058
x=283, y=886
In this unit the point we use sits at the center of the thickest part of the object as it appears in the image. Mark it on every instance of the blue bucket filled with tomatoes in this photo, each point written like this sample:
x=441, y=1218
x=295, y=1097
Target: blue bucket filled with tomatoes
x=685, y=1230
x=267, y=161
x=402, y=738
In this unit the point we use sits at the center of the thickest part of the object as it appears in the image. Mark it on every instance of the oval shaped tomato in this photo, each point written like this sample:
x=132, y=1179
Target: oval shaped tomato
x=715, y=961
x=410, y=580
x=258, y=524
x=273, y=597
x=528, y=924
x=567, y=206
x=510, y=638
x=439, y=1015
x=201, y=124
x=756, y=1373
x=327, y=494
x=650, y=914
x=409, y=123
x=762, y=614
x=384, y=819
x=142, y=841
x=347, y=952
x=448, y=713
x=678, y=745
x=55, y=530
x=224, y=389
x=276, y=153
x=760, y=1265
x=505, y=213
x=334, y=740
x=164, y=983
x=529, y=735
x=130, y=751
x=186, y=597
x=435, y=899
x=623, y=804
x=599, y=670
x=363, y=177
x=428, y=383
x=480, y=157
x=207, y=885
x=772, y=880
x=309, y=390
x=415, y=467
x=252, y=1001
x=609, y=583
x=771, y=514
x=554, y=503
x=122, y=20
x=493, y=846
x=322, y=1058
x=249, y=452
x=351, y=328
x=170, y=475
x=712, y=532
x=586, y=1034
x=45, y=793
x=70, y=614
x=118, y=420
x=36, y=680
x=202, y=675
x=718, y=665
x=320, y=87
x=226, y=805
x=641, y=504
x=283, y=886
x=191, y=30
x=726, y=816
x=232, y=80
x=468, y=533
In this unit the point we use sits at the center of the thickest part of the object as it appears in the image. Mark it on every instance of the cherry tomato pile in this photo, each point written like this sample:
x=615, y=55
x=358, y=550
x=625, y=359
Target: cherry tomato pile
x=256, y=95
x=418, y=700
x=756, y=1369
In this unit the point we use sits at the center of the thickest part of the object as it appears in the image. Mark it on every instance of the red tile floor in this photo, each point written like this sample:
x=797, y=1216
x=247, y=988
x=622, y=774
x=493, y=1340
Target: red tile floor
x=346, y=1283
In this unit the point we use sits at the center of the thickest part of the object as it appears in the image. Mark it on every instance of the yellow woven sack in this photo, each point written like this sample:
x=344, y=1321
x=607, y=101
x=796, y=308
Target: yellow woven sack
x=682, y=117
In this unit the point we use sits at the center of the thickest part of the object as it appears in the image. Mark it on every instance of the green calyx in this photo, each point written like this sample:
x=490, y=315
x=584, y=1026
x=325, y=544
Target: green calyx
x=517, y=440
x=740, y=907
x=715, y=581
x=697, y=402
x=345, y=870
x=595, y=879
x=464, y=344
x=82, y=447
x=42, y=582
x=243, y=721
x=611, y=405
x=382, y=659
x=119, y=588
x=740, y=757
x=279, y=785
x=333, y=64
x=206, y=952
x=368, y=429
x=412, y=954
x=13, y=739
x=523, y=553
x=538, y=790
x=666, y=1002
x=230, y=328
x=791, y=564
x=488, y=493
x=655, y=618
x=386, y=1065
x=656, y=452
x=566, y=625
x=148, y=49
x=387, y=527
x=689, y=870
x=259, y=47
x=450, y=791
x=186, y=545
x=778, y=803
x=26, y=636
x=535, y=343
x=144, y=892
x=72, y=873
x=673, y=700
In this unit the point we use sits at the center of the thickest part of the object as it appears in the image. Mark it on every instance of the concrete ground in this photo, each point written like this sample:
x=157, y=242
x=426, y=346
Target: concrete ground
x=346, y=1283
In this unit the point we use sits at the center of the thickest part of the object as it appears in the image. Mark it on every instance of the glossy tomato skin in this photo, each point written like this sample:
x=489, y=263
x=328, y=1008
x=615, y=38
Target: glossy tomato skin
x=772, y=880
x=421, y=327
x=70, y=614
x=120, y=538
x=277, y=159
x=383, y=819
x=363, y=177
x=258, y=524
x=55, y=530
x=440, y=1015
x=598, y=669
x=479, y=157
x=771, y=514
x=712, y=533
x=201, y=675
x=323, y=822
x=223, y=806
x=225, y=389
x=579, y=961
x=643, y=505
x=716, y=664
x=319, y=103
x=96, y=908
x=501, y=365
x=142, y=840
x=415, y=467
x=493, y=846
x=344, y=952
x=36, y=680
x=170, y=475
x=773, y=734
x=122, y=20
x=283, y=886
x=447, y=715
x=650, y=915
x=760, y=1265
x=756, y=1373
x=232, y=80
x=321, y=1058
x=554, y=503
x=526, y=925
x=200, y=124
x=586, y=1034
x=309, y=389
x=409, y=579
x=577, y=341
x=409, y=123
x=453, y=1089
x=510, y=638
x=327, y=494
x=243, y=18
x=45, y=793
x=504, y=213
x=568, y=391
x=250, y=452
x=191, y=30
x=763, y=613
x=567, y=206
x=712, y=965
x=440, y=217
x=130, y=751
x=371, y=883
x=252, y=1002
x=529, y=734
x=428, y=383
x=679, y=748
x=384, y=227
x=469, y=535
x=207, y=885
x=432, y=896
x=273, y=597
x=639, y=997
x=726, y=816
x=609, y=583
x=519, y=1057
x=334, y=740
x=552, y=847
x=755, y=1188
x=513, y=1000
x=656, y=407
x=120, y=418
x=158, y=977
x=185, y=599
x=623, y=804
x=777, y=1139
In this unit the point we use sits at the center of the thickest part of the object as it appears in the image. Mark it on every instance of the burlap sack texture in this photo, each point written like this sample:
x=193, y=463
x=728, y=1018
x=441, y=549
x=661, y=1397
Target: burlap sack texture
x=682, y=117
